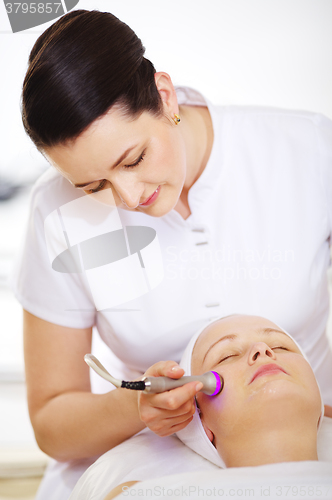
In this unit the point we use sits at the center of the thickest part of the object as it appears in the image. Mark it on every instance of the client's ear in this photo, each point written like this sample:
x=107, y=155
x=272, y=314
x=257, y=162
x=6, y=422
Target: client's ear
x=208, y=431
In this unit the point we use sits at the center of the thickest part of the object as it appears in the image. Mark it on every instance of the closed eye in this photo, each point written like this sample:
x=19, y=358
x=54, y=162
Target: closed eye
x=233, y=355
x=102, y=184
x=132, y=165
x=98, y=188
x=227, y=357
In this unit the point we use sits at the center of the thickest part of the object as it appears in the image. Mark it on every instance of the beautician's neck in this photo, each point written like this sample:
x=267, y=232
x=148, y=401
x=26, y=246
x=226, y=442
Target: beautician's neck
x=270, y=446
x=197, y=131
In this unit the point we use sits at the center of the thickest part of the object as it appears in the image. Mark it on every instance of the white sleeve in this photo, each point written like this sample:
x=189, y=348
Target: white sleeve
x=59, y=298
x=324, y=138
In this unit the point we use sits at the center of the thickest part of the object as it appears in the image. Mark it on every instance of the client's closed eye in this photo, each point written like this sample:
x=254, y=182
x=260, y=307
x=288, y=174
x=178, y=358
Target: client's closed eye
x=226, y=357
x=234, y=355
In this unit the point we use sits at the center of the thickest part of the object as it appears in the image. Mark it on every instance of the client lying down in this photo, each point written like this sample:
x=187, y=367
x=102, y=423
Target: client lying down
x=269, y=411
x=269, y=391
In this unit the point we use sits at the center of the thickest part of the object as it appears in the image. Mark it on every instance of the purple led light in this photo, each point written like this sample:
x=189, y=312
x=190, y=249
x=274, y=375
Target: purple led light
x=218, y=385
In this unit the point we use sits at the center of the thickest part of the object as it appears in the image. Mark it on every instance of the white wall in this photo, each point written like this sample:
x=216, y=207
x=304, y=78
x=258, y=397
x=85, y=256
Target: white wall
x=266, y=52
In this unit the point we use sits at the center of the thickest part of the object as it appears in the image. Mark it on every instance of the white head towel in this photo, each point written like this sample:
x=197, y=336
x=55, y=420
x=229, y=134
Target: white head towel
x=194, y=435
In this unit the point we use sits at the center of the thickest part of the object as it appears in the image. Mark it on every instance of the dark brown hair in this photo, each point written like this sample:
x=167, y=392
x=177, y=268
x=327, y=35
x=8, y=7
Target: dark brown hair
x=78, y=69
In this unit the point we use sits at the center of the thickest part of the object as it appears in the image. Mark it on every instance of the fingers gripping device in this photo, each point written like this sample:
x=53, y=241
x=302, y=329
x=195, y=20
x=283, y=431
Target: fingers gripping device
x=212, y=382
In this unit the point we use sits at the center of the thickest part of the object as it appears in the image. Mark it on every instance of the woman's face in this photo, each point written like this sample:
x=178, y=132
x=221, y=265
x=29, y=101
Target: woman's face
x=267, y=381
x=132, y=157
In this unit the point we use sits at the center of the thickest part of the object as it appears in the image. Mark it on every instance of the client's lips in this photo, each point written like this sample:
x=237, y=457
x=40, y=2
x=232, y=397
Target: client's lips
x=267, y=369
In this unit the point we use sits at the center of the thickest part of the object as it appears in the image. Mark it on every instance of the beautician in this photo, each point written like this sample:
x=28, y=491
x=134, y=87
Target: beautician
x=241, y=202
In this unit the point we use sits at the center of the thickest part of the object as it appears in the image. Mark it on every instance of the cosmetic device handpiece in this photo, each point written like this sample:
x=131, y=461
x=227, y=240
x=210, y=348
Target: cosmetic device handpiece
x=213, y=383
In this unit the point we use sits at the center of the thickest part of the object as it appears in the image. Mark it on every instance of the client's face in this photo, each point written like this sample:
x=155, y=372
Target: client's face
x=268, y=384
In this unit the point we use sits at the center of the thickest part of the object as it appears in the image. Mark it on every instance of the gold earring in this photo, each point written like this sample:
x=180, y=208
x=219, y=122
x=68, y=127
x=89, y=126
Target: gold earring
x=176, y=119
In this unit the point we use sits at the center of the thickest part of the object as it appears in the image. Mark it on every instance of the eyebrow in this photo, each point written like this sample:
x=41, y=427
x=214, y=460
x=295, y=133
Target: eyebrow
x=265, y=331
x=119, y=160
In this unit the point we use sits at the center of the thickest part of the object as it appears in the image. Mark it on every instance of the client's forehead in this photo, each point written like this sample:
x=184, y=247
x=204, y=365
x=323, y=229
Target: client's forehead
x=239, y=325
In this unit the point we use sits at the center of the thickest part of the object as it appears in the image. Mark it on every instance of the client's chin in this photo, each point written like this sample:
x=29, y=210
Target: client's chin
x=280, y=399
x=280, y=416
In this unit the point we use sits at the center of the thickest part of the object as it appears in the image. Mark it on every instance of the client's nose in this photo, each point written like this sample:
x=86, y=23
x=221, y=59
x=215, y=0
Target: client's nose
x=260, y=349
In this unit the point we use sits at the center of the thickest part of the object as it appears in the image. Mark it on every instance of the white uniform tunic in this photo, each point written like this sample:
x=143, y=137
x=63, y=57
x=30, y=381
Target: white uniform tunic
x=256, y=242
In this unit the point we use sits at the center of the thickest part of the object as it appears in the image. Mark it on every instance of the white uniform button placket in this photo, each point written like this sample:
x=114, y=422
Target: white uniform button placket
x=200, y=230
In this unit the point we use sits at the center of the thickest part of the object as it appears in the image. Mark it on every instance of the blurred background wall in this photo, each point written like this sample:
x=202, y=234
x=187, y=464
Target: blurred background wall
x=255, y=52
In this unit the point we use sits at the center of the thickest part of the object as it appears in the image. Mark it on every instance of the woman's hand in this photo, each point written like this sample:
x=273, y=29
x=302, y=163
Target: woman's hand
x=170, y=411
x=61, y=406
